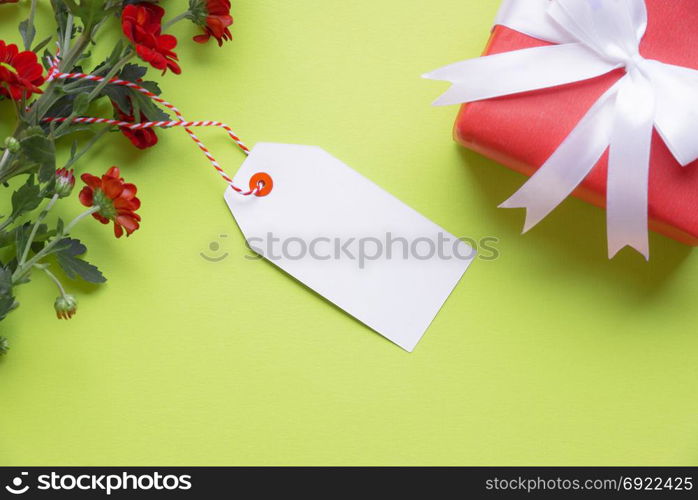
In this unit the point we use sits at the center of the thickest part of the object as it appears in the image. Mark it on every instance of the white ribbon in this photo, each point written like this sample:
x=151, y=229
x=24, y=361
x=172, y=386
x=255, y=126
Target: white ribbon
x=594, y=37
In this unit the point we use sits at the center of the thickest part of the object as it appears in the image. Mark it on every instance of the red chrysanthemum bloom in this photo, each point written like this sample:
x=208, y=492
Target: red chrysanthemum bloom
x=20, y=72
x=142, y=25
x=214, y=17
x=115, y=198
x=143, y=138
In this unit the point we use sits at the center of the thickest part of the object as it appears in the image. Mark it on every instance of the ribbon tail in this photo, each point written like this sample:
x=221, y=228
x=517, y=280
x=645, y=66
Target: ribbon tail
x=628, y=166
x=519, y=71
x=569, y=164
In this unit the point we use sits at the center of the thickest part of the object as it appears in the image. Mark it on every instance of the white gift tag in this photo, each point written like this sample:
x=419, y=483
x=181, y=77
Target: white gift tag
x=349, y=240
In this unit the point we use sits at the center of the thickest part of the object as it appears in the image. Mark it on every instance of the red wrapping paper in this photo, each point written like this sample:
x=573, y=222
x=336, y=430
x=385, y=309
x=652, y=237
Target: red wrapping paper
x=523, y=130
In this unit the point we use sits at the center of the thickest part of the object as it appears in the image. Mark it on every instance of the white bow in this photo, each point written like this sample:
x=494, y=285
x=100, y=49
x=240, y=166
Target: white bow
x=594, y=37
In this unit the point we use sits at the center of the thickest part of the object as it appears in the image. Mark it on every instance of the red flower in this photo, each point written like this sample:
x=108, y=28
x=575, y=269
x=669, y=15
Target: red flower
x=214, y=17
x=20, y=72
x=142, y=24
x=116, y=200
x=143, y=138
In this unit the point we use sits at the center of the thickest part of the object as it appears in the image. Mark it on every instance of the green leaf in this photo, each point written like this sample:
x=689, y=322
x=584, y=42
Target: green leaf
x=21, y=238
x=152, y=86
x=39, y=149
x=132, y=72
x=7, y=304
x=30, y=132
x=91, y=11
x=28, y=32
x=133, y=102
x=60, y=14
x=5, y=281
x=26, y=198
x=70, y=5
x=67, y=251
x=43, y=43
x=62, y=107
x=81, y=103
x=43, y=234
x=45, y=59
x=120, y=95
x=47, y=173
x=136, y=110
x=70, y=246
x=75, y=128
x=149, y=109
x=7, y=301
x=6, y=238
x=127, y=99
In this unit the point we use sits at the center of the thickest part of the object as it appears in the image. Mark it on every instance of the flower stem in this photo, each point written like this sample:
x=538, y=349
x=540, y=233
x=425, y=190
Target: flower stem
x=5, y=162
x=77, y=219
x=32, y=235
x=89, y=144
x=184, y=15
x=53, y=277
x=73, y=54
x=7, y=222
x=117, y=67
x=68, y=33
x=4, y=158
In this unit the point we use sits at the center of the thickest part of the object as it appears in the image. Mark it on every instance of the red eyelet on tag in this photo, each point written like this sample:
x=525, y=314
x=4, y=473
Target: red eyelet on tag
x=266, y=184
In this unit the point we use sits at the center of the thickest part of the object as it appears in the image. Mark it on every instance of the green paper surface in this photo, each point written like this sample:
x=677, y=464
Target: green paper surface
x=548, y=355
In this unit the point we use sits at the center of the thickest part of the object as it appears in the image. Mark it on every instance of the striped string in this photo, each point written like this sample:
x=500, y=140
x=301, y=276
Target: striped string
x=55, y=74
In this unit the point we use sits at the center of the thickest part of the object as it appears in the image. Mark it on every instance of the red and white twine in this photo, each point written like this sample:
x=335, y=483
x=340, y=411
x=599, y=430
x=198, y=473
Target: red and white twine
x=55, y=74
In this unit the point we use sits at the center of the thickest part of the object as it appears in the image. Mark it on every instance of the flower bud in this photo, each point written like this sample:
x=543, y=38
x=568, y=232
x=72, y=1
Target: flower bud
x=198, y=12
x=65, y=181
x=4, y=346
x=65, y=306
x=12, y=144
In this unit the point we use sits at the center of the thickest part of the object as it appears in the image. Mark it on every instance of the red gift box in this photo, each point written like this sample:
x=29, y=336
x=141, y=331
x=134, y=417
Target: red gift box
x=523, y=130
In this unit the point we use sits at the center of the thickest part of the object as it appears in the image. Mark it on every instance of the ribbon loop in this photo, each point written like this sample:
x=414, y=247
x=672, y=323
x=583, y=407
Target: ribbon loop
x=529, y=18
x=520, y=71
x=612, y=28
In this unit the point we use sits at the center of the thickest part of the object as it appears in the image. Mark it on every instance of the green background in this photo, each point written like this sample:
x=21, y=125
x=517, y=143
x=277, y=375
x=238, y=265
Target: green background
x=549, y=355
